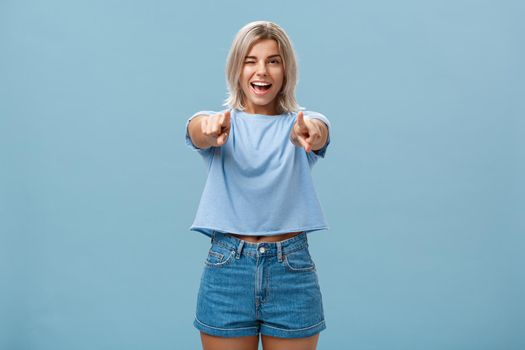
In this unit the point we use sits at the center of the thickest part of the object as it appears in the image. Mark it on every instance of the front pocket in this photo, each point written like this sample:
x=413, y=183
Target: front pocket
x=218, y=257
x=300, y=260
x=214, y=257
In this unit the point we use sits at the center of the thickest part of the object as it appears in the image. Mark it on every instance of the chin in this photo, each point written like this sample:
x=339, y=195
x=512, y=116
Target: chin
x=265, y=102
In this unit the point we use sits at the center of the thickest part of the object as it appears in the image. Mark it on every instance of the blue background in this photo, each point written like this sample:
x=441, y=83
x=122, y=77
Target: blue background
x=422, y=185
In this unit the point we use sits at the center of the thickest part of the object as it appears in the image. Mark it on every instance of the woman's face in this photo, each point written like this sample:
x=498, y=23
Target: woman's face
x=262, y=77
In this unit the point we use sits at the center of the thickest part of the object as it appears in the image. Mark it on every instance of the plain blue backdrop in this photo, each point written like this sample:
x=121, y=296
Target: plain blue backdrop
x=422, y=185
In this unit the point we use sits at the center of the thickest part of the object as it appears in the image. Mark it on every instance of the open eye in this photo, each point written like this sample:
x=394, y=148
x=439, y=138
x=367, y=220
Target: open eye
x=274, y=61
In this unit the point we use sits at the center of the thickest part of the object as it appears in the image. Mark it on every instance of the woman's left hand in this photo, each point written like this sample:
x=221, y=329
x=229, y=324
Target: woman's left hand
x=307, y=133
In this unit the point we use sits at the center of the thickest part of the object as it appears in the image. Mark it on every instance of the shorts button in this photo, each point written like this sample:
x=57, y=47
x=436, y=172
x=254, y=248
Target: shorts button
x=262, y=249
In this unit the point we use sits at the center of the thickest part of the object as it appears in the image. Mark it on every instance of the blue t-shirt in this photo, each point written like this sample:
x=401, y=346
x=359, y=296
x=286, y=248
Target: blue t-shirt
x=259, y=183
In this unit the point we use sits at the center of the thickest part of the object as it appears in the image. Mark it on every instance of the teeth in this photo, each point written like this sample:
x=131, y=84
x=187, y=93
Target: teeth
x=260, y=84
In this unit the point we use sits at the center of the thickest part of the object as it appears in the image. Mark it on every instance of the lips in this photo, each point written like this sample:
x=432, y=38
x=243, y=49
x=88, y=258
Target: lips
x=260, y=88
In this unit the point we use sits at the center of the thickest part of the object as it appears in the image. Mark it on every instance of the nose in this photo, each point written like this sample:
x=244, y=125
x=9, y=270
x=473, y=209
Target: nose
x=261, y=68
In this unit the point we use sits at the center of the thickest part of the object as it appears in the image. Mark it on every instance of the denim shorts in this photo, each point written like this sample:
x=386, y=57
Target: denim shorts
x=266, y=287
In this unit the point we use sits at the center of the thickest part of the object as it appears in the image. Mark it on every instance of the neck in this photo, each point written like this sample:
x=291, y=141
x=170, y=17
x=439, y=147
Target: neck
x=265, y=110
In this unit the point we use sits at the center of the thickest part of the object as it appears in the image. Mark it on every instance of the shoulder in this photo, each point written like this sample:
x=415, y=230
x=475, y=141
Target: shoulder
x=308, y=113
x=313, y=114
x=207, y=112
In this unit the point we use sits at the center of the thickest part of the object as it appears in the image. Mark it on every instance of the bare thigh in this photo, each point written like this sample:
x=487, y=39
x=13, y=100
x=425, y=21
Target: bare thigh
x=212, y=342
x=273, y=343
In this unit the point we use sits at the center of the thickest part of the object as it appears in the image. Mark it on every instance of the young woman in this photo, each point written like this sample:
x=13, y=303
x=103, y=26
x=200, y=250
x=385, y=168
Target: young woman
x=259, y=202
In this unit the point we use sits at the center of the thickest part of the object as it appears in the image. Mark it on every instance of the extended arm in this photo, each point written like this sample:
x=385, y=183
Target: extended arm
x=309, y=133
x=209, y=130
x=323, y=131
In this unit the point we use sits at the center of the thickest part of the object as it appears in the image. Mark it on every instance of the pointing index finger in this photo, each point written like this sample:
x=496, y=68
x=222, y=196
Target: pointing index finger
x=300, y=121
x=225, y=120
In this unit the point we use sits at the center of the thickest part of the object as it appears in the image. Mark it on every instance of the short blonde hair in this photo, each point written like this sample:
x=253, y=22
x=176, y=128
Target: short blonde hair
x=242, y=43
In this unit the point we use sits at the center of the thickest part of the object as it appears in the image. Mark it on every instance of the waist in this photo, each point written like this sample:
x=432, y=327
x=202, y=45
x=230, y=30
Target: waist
x=273, y=238
x=230, y=241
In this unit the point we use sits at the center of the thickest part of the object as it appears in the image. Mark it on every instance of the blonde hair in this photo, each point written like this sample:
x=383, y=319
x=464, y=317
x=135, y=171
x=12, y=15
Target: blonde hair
x=242, y=43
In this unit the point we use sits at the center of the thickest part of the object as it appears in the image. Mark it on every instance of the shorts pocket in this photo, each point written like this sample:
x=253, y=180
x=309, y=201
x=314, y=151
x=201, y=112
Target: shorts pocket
x=219, y=256
x=299, y=260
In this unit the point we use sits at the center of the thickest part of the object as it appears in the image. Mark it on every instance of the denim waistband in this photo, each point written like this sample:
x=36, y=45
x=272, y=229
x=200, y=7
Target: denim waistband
x=278, y=248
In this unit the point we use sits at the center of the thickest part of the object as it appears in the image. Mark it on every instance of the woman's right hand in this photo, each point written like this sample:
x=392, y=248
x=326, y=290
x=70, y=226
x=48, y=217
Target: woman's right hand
x=216, y=128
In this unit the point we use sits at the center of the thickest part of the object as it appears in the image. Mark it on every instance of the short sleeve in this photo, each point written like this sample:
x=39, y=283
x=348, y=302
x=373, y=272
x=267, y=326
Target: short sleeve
x=314, y=155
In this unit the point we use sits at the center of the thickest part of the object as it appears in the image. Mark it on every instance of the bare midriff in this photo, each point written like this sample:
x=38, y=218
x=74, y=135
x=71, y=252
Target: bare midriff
x=274, y=238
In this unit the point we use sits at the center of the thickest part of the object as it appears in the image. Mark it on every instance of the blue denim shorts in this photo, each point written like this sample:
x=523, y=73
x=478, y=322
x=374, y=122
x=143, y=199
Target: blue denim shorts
x=266, y=287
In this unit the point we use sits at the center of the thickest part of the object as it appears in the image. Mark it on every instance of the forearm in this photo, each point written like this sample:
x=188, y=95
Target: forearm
x=323, y=132
x=196, y=135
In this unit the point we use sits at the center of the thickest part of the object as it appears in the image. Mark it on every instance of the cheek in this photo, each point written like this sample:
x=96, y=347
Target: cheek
x=246, y=73
x=279, y=75
x=281, y=80
x=243, y=80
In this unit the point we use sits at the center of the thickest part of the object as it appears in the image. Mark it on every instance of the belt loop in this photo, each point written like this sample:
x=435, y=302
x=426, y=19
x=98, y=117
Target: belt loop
x=279, y=252
x=239, y=249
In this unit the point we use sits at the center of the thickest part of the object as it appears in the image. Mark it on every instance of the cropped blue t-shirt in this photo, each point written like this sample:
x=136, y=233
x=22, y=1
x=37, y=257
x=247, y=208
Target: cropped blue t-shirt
x=258, y=182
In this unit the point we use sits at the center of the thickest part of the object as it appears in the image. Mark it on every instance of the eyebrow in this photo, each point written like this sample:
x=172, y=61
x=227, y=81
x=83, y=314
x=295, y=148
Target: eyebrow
x=272, y=56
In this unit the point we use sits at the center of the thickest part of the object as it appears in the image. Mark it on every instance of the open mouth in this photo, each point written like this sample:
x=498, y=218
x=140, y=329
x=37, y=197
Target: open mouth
x=260, y=88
